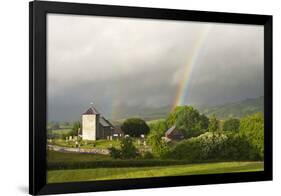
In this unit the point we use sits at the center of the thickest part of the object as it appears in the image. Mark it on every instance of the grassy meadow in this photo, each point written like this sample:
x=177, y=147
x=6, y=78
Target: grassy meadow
x=75, y=175
x=106, y=168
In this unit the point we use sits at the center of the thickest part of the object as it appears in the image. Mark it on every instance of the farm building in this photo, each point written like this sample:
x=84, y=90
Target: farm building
x=95, y=126
x=173, y=134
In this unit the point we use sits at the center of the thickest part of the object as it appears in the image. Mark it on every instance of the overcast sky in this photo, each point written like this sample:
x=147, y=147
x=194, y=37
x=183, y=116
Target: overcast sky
x=121, y=62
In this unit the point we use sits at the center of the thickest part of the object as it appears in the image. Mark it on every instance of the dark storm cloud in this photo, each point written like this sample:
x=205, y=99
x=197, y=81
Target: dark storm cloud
x=230, y=67
x=134, y=62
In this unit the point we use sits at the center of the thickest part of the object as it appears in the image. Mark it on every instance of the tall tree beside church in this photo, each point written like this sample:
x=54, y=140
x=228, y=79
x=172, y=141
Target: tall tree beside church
x=135, y=127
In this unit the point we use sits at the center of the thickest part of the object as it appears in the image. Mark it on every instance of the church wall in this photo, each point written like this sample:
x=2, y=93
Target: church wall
x=104, y=132
x=89, y=127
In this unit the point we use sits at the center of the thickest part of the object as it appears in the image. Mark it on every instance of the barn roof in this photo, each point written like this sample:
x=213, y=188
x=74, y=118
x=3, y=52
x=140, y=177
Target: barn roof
x=170, y=130
x=91, y=110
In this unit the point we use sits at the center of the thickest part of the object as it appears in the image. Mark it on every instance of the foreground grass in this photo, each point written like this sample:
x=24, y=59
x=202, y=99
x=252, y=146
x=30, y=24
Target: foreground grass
x=61, y=160
x=76, y=175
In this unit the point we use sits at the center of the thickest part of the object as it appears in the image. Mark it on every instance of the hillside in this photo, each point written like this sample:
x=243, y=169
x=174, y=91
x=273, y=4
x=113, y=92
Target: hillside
x=237, y=109
x=147, y=114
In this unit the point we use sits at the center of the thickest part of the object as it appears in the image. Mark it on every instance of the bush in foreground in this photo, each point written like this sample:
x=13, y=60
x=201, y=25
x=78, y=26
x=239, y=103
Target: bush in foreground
x=214, y=146
x=127, y=151
x=252, y=128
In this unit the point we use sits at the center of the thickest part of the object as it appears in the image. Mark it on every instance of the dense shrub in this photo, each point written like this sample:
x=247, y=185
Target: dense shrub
x=198, y=148
x=214, y=146
x=127, y=151
x=252, y=128
x=231, y=124
x=238, y=148
x=115, y=153
x=187, y=149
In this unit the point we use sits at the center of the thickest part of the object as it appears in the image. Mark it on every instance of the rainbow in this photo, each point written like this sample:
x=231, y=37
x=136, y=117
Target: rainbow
x=181, y=92
x=182, y=89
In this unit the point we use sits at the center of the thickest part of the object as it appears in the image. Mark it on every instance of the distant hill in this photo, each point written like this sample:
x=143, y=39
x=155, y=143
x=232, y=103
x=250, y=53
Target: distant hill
x=237, y=109
x=145, y=113
x=227, y=110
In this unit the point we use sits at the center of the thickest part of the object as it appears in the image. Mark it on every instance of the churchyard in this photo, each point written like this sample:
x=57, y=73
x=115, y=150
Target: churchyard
x=185, y=143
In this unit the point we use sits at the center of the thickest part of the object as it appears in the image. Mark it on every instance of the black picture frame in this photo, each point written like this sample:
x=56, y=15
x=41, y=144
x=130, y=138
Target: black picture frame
x=37, y=96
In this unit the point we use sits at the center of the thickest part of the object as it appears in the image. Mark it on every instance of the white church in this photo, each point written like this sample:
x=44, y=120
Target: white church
x=95, y=126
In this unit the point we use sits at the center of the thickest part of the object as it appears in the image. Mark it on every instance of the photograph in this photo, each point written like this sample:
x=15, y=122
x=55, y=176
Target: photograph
x=132, y=98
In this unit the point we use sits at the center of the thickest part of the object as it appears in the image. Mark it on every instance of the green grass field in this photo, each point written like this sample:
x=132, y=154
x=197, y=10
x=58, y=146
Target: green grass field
x=76, y=175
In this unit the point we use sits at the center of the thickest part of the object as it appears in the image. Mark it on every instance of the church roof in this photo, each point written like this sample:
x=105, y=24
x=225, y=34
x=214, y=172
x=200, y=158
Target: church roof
x=105, y=122
x=91, y=110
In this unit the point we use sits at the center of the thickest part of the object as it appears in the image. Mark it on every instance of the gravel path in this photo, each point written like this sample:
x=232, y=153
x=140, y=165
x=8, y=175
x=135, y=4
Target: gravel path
x=78, y=150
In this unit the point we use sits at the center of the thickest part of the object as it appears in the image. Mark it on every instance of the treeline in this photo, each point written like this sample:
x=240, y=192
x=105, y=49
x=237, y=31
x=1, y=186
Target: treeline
x=208, y=138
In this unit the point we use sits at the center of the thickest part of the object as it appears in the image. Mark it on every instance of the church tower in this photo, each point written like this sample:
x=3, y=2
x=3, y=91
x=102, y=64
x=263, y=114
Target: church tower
x=90, y=124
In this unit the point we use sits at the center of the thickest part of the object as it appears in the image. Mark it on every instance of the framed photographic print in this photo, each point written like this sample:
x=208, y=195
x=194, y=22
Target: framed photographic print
x=131, y=97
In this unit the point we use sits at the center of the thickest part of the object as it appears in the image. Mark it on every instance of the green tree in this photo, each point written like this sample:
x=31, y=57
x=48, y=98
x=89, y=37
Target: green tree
x=159, y=128
x=135, y=127
x=171, y=119
x=252, y=127
x=214, y=124
x=157, y=131
x=231, y=124
x=189, y=120
x=204, y=122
